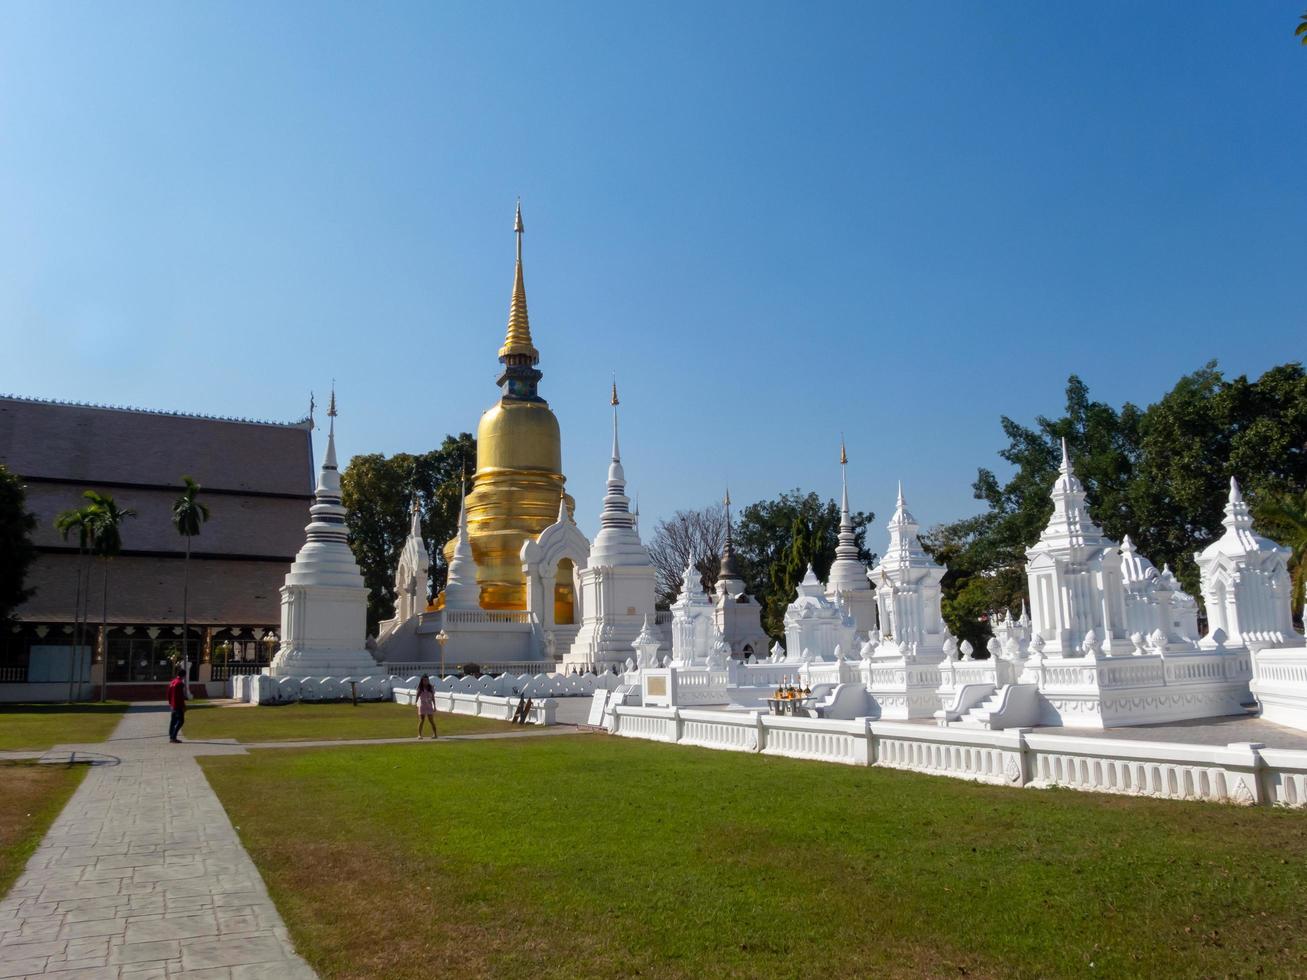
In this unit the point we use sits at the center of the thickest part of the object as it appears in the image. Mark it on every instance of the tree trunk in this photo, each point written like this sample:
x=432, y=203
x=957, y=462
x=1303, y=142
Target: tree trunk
x=186, y=635
x=77, y=627
x=104, y=635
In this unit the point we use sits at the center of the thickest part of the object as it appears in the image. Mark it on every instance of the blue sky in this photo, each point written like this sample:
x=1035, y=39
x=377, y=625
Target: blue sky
x=773, y=223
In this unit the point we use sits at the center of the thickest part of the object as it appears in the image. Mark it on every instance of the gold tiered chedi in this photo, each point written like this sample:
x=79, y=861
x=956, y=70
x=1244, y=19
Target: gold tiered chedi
x=519, y=475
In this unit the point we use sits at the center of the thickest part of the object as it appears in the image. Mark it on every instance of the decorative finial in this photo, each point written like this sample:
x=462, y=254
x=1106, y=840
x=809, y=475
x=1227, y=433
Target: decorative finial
x=517, y=220
x=726, y=501
x=844, y=456
x=1236, y=495
x=331, y=408
x=900, y=500
x=312, y=406
x=1066, y=457
x=615, y=401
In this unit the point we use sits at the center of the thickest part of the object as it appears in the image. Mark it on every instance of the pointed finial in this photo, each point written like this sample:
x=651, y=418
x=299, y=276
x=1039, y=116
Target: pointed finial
x=844, y=456
x=517, y=220
x=1066, y=457
x=562, y=509
x=726, y=501
x=331, y=409
x=900, y=500
x=312, y=405
x=615, y=401
x=617, y=455
x=1235, y=495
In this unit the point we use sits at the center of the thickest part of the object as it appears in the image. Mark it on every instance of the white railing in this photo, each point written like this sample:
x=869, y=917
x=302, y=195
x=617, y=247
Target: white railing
x=13, y=675
x=454, y=668
x=467, y=617
x=1236, y=773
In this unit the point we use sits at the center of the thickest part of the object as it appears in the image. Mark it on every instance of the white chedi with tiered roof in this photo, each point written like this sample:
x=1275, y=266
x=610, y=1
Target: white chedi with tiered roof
x=847, y=583
x=694, y=626
x=1245, y=583
x=1074, y=575
x=900, y=667
x=1159, y=614
x=324, y=603
x=617, y=582
x=908, y=593
x=461, y=588
x=815, y=626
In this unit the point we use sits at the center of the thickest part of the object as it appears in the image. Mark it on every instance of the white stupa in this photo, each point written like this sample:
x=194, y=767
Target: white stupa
x=847, y=583
x=324, y=603
x=461, y=589
x=617, y=583
x=1246, y=584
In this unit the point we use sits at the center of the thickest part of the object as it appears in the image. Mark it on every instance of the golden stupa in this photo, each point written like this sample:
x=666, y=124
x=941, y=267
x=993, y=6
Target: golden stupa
x=519, y=475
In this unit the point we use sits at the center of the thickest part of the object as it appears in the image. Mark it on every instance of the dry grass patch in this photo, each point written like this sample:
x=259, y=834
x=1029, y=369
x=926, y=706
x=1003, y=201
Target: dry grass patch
x=31, y=796
x=41, y=726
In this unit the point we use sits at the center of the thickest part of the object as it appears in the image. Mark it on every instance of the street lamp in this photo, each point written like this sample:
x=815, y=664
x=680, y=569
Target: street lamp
x=442, y=638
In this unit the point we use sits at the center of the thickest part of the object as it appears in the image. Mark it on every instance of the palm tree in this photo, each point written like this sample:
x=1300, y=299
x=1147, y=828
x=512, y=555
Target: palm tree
x=106, y=519
x=79, y=520
x=1284, y=517
x=188, y=516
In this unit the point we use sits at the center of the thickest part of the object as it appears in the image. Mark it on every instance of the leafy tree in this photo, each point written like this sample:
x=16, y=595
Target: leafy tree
x=697, y=533
x=16, y=549
x=105, y=519
x=775, y=540
x=80, y=520
x=188, y=516
x=1159, y=475
x=1284, y=518
x=378, y=491
x=1301, y=30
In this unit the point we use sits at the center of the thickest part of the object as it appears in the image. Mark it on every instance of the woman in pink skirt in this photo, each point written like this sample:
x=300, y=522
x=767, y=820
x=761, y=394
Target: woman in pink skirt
x=426, y=700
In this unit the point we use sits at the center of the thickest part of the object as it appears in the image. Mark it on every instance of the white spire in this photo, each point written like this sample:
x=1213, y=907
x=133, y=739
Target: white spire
x=618, y=541
x=461, y=589
x=563, y=516
x=1070, y=524
x=905, y=550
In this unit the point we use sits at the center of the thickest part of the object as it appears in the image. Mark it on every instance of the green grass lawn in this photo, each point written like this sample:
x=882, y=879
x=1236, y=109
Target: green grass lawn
x=40, y=726
x=31, y=796
x=298, y=721
x=595, y=856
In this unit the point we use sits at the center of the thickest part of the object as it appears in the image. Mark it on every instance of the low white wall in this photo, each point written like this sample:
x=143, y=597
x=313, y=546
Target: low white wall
x=45, y=691
x=1245, y=773
x=483, y=705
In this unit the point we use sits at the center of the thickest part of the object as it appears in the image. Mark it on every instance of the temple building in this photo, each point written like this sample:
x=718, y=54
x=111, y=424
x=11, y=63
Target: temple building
x=256, y=480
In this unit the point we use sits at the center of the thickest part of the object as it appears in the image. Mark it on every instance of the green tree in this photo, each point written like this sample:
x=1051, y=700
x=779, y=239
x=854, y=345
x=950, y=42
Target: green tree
x=106, y=520
x=378, y=490
x=1283, y=517
x=1159, y=475
x=16, y=549
x=1301, y=30
x=775, y=540
x=188, y=517
x=78, y=519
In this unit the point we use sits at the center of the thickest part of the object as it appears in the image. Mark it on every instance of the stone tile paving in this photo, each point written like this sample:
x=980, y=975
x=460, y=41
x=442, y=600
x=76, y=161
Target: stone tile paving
x=142, y=874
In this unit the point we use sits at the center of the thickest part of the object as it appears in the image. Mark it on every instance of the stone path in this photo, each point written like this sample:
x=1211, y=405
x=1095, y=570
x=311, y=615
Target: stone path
x=142, y=875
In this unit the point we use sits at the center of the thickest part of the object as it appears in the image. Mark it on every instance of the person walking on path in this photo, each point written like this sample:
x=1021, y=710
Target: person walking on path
x=426, y=700
x=177, y=701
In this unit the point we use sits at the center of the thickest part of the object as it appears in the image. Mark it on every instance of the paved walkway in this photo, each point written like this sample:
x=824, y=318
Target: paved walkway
x=142, y=875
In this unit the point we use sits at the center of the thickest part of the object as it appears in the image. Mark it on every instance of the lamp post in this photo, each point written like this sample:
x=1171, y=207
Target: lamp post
x=442, y=638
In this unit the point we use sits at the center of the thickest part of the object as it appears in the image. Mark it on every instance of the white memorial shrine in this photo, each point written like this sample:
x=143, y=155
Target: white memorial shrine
x=324, y=603
x=847, y=584
x=815, y=626
x=694, y=626
x=737, y=615
x=900, y=666
x=617, y=582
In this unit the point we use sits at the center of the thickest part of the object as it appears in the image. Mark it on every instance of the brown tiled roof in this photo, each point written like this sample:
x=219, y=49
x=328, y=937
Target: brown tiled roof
x=89, y=444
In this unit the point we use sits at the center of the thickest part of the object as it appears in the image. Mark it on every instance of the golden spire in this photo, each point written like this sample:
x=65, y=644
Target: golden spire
x=844, y=457
x=615, y=401
x=518, y=340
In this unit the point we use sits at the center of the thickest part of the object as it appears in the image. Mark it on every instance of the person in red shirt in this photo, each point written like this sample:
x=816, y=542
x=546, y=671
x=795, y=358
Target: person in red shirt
x=177, y=701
